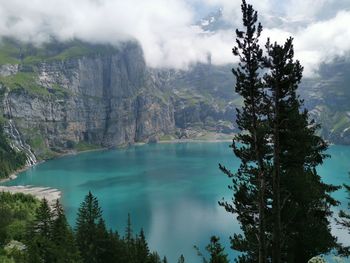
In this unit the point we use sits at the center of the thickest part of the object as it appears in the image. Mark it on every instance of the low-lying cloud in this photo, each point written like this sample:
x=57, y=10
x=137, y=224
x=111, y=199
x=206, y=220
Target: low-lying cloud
x=167, y=32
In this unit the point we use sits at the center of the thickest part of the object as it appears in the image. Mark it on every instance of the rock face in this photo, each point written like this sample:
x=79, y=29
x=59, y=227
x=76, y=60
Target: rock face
x=104, y=100
x=109, y=99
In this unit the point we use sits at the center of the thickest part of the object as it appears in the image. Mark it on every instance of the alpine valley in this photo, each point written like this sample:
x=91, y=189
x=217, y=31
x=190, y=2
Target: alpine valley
x=72, y=96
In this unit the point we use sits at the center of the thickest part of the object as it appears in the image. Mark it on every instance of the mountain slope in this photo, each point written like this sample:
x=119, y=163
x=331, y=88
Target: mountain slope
x=73, y=96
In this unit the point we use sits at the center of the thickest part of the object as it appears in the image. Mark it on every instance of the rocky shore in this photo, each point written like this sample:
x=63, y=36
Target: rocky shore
x=50, y=194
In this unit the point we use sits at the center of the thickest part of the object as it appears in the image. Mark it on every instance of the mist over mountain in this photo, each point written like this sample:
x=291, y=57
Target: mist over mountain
x=105, y=91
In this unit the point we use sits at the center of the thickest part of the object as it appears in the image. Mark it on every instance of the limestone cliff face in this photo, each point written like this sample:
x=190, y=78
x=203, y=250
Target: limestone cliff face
x=104, y=100
x=76, y=96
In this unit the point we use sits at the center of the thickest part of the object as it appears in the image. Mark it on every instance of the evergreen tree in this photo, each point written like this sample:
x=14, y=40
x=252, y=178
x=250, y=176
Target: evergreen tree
x=251, y=145
x=121, y=252
x=89, y=215
x=128, y=232
x=165, y=260
x=141, y=248
x=280, y=200
x=129, y=242
x=5, y=220
x=216, y=251
x=104, y=245
x=154, y=258
x=301, y=201
x=40, y=246
x=65, y=249
x=181, y=259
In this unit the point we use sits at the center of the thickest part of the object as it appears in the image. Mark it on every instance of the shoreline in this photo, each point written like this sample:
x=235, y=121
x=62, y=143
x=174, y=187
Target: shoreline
x=48, y=193
x=14, y=174
x=25, y=189
x=194, y=140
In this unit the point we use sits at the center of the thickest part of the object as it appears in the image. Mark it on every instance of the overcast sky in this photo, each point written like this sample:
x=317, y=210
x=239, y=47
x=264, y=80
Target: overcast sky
x=166, y=31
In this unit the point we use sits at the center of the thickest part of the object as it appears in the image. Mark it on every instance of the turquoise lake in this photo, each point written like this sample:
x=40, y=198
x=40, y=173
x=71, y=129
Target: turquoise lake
x=171, y=190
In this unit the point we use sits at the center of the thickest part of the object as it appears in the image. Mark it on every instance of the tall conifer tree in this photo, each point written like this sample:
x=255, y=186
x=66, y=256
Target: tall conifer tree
x=280, y=200
x=251, y=145
x=40, y=245
x=65, y=249
x=89, y=215
x=301, y=201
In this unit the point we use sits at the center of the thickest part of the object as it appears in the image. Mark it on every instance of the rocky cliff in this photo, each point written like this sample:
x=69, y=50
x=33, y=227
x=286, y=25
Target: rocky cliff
x=79, y=96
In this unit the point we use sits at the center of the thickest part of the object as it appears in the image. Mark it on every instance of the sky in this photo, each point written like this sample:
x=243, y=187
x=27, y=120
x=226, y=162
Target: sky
x=168, y=30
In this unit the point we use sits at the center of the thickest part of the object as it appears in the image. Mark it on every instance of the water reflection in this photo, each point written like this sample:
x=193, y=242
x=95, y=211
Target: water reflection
x=171, y=190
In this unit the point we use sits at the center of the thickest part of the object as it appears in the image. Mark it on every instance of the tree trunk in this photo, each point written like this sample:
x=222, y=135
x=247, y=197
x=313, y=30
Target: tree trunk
x=276, y=205
x=261, y=194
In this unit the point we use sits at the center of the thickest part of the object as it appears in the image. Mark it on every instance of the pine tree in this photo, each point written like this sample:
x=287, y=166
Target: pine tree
x=279, y=152
x=216, y=251
x=154, y=258
x=181, y=259
x=40, y=246
x=89, y=215
x=104, y=244
x=141, y=248
x=128, y=231
x=301, y=201
x=115, y=247
x=251, y=145
x=65, y=249
x=129, y=242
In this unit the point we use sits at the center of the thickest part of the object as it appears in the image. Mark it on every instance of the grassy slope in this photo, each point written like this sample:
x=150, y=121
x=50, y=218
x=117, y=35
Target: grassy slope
x=28, y=55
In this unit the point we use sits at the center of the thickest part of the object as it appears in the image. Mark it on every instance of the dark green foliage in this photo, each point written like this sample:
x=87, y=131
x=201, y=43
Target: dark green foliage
x=154, y=258
x=10, y=160
x=49, y=239
x=65, y=249
x=96, y=244
x=17, y=211
x=88, y=226
x=344, y=221
x=276, y=190
x=40, y=245
x=142, y=250
x=305, y=199
x=181, y=259
x=251, y=145
x=216, y=251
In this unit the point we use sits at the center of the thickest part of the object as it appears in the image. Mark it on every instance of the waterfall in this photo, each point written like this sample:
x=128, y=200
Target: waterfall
x=16, y=140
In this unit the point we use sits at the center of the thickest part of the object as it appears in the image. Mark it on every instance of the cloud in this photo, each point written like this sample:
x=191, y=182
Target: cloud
x=166, y=28
x=318, y=42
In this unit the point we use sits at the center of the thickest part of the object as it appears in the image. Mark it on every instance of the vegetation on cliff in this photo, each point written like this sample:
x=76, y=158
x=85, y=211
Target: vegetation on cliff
x=10, y=159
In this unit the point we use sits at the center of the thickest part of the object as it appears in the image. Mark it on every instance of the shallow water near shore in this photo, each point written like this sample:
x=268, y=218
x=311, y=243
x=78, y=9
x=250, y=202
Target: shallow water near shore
x=171, y=190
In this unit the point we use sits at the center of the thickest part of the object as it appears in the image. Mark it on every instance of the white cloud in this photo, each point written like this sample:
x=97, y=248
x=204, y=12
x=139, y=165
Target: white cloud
x=165, y=27
x=323, y=41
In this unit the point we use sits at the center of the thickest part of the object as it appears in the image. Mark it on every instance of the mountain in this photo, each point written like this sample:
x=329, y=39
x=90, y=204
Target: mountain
x=72, y=96
x=214, y=21
x=327, y=97
x=77, y=96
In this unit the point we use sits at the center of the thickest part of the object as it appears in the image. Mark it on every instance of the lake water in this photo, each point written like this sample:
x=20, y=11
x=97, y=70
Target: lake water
x=171, y=190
